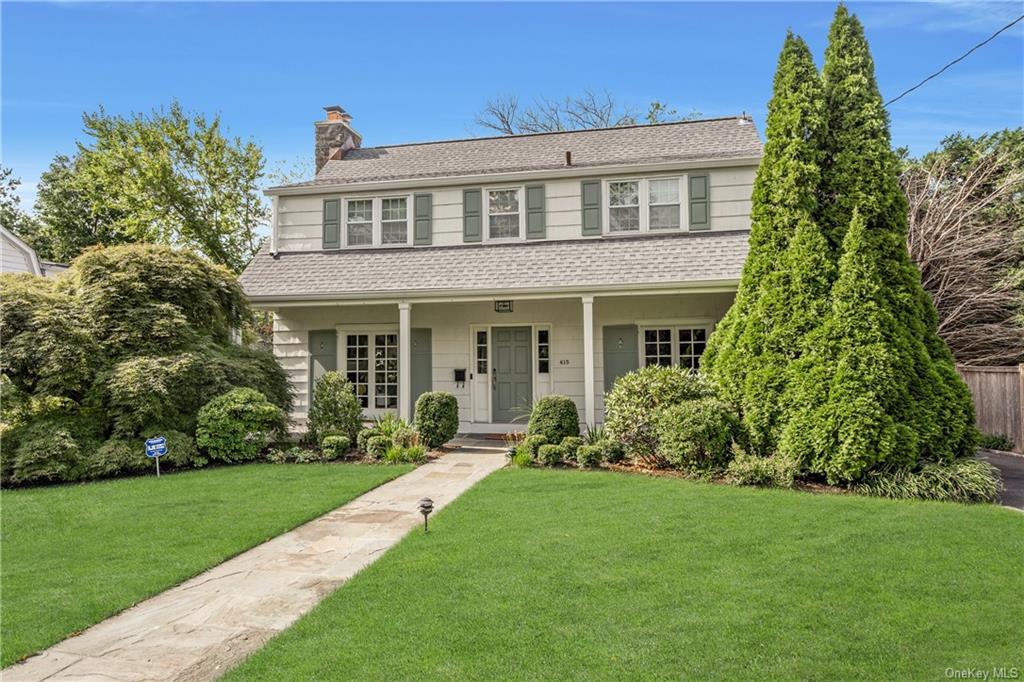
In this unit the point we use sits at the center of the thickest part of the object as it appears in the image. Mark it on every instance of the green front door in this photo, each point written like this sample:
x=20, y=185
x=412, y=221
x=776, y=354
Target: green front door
x=511, y=374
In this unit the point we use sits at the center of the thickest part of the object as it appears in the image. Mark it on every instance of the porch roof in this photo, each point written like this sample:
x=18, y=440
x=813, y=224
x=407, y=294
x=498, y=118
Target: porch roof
x=498, y=269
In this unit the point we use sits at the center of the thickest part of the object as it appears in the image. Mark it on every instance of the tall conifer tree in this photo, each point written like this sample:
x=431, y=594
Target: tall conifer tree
x=749, y=350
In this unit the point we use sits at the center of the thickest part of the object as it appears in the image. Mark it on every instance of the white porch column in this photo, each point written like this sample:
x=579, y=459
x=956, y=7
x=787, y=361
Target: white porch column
x=404, y=360
x=588, y=360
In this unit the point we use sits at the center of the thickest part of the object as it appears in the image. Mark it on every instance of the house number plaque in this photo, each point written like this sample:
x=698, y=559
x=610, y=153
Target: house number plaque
x=503, y=306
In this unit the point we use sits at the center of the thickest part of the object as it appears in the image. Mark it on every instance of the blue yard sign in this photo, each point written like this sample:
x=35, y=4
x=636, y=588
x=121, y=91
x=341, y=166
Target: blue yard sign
x=155, y=449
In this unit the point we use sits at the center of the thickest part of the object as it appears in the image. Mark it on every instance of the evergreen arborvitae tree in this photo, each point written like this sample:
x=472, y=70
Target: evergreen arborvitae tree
x=747, y=355
x=878, y=387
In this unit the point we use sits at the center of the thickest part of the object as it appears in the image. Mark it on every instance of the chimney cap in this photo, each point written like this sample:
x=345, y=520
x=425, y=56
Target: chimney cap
x=334, y=107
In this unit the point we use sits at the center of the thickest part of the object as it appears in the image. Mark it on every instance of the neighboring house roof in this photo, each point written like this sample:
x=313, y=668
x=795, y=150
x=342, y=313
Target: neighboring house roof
x=710, y=139
x=11, y=240
x=51, y=269
x=499, y=269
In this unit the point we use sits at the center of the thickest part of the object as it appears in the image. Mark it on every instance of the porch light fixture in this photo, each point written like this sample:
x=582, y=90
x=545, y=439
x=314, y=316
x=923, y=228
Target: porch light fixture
x=426, y=506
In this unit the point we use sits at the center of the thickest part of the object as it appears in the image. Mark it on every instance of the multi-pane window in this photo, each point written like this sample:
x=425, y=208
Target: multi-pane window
x=359, y=222
x=481, y=352
x=691, y=346
x=624, y=206
x=658, y=347
x=385, y=371
x=663, y=203
x=681, y=346
x=394, y=221
x=357, y=366
x=543, y=351
x=503, y=213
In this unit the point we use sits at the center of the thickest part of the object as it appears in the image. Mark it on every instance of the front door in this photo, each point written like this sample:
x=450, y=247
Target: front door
x=511, y=374
x=323, y=356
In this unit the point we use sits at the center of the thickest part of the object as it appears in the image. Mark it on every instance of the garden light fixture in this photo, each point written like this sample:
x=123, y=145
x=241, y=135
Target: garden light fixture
x=426, y=506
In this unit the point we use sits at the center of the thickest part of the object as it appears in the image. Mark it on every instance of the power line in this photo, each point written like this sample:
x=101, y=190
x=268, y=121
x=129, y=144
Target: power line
x=958, y=59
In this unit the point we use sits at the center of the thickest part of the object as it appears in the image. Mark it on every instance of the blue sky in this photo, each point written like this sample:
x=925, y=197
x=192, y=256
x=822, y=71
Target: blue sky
x=410, y=72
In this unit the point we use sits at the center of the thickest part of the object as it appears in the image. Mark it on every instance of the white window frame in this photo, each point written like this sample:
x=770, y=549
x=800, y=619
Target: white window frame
x=377, y=226
x=370, y=331
x=644, y=196
x=674, y=326
x=486, y=200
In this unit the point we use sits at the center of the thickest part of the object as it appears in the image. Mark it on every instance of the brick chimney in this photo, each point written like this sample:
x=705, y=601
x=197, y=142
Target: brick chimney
x=334, y=136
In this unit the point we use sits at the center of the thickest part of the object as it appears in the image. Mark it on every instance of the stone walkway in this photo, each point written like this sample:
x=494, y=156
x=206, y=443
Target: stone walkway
x=201, y=628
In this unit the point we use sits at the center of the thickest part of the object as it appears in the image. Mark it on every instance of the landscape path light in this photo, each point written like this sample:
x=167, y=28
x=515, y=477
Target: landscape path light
x=426, y=506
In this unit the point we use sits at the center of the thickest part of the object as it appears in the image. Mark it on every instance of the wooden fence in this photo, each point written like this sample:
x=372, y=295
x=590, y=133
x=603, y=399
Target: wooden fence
x=998, y=399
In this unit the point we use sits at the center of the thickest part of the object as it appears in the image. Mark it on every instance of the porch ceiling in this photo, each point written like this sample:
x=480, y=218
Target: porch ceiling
x=503, y=269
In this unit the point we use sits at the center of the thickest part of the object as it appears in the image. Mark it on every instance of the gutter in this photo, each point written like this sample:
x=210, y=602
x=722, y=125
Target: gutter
x=478, y=295
x=510, y=176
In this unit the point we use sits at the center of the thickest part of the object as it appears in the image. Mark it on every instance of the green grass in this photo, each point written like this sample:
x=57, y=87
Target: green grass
x=564, y=575
x=74, y=555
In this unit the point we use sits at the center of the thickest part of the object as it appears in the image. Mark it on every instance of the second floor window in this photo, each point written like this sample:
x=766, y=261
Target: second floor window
x=644, y=205
x=382, y=221
x=503, y=213
x=394, y=221
x=359, y=222
x=624, y=206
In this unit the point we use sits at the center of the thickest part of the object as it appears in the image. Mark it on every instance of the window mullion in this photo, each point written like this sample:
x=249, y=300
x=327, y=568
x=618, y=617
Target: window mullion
x=644, y=199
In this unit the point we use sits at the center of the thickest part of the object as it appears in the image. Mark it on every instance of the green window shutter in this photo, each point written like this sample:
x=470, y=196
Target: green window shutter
x=590, y=196
x=472, y=215
x=332, y=223
x=699, y=203
x=423, y=218
x=535, y=227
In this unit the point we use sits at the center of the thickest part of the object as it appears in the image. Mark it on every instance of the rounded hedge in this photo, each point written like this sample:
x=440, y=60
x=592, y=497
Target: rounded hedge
x=437, y=418
x=236, y=426
x=555, y=417
x=697, y=434
x=550, y=455
x=335, y=409
x=630, y=407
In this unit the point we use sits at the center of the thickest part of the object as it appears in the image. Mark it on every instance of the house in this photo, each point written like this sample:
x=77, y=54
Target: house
x=502, y=269
x=17, y=256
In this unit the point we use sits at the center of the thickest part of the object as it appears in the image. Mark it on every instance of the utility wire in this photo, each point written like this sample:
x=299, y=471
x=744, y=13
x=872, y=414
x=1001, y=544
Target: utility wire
x=958, y=59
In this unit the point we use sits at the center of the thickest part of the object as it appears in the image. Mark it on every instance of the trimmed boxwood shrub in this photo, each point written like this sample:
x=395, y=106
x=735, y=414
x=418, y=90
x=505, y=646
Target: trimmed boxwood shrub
x=237, y=426
x=521, y=459
x=697, y=434
x=555, y=417
x=631, y=405
x=589, y=455
x=334, y=446
x=550, y=455
x=437, y=418
x=531, y=445
x=570, y=445
x=377, y=445
x=335, y=409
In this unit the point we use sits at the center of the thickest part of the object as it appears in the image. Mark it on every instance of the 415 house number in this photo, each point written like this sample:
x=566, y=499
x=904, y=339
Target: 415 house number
x=563, y=362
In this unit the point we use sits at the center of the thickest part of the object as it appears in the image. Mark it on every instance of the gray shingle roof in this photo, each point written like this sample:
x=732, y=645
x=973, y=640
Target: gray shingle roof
x=710, y=139
x=687, y=258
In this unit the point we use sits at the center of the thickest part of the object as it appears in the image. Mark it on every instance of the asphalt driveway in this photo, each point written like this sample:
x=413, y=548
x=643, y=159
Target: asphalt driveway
x=1012, y=468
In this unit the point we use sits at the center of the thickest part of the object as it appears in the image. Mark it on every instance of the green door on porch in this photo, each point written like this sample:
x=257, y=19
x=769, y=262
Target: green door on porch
x=511, y=374
x=323, y=356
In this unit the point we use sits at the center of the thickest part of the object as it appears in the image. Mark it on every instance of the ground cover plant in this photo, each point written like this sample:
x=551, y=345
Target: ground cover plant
x=660, y=578
x=74, y=555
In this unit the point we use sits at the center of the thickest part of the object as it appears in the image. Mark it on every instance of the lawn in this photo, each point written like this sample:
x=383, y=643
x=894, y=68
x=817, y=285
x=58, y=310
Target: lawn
x=76, y=554
x=559, y=575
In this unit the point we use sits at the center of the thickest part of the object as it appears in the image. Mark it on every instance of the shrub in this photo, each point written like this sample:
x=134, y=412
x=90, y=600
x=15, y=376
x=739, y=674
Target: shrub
x=777, y=471
x=636, y=397
x=437, y=418
x=612, y=451
x=335, y=408
x=118, y=456
x=965, y=480
x=397, y=454
x=284, y=455
x=51, y=446
x=589, y=455
x=996, y=441
x=570, y=445
x=550, y=455
x=697, y=434
x=378, y=445
x=555, y=417
x=334, y=447
x=521, y=459
x=236, y=426
x=531, y=445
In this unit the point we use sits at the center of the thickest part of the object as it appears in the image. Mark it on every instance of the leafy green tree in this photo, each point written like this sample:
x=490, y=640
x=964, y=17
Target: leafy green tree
x=67, y=220
x=11, y=215
x=784, y=286
x=172, y=177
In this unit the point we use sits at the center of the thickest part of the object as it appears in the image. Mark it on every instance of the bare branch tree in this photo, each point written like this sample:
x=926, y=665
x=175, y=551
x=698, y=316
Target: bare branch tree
x=966, y=247
x=504, y=115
